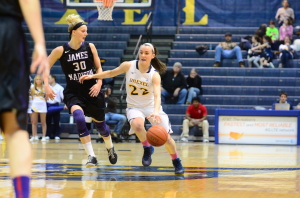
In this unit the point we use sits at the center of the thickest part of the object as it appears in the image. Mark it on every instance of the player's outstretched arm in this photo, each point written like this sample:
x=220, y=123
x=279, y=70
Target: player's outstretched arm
x=123, y=68
x=32, y=13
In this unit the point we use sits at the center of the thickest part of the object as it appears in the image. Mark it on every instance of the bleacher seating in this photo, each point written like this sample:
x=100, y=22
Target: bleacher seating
x=226, y=87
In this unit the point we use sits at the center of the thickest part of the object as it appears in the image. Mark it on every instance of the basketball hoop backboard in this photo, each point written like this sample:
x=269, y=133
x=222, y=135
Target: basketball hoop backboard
x=120, y=4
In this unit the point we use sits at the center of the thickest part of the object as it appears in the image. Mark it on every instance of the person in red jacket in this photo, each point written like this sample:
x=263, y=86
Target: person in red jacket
x=196, y=115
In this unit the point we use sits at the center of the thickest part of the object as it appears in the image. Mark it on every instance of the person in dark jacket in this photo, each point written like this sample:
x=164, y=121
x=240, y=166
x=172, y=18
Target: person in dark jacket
x=174, y=84
x=283, y=96
x=194, y=83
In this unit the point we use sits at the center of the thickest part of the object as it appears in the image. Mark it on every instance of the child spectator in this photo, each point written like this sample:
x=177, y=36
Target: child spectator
x=286, y=29
x=272, y=31
x=254, y=56
x=267, y=53
x=287, y=52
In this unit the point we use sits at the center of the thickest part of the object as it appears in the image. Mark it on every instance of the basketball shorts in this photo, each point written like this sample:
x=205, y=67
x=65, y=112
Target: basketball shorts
x=134, y=112
x=14, y=69
x=92, y=106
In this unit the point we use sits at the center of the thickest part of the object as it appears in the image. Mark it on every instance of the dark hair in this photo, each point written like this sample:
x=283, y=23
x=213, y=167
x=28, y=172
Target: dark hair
x=196, y=99
x=287, y=2
x=283, y=93
x=268, y=38
x=155, y=62
x=289, y=21
x=53, y=76
x=272, y=22
x=257, y=38
x=261, y=30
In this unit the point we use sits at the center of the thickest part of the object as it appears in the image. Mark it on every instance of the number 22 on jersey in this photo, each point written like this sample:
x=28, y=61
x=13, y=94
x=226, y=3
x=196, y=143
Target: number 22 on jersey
x=138, y=92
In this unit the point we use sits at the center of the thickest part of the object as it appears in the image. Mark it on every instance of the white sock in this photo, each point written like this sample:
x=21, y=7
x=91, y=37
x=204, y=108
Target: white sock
x=88, y=147
x=108, y=143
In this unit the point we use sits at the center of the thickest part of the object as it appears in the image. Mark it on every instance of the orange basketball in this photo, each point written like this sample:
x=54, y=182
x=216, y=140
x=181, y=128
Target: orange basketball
x=157, y=135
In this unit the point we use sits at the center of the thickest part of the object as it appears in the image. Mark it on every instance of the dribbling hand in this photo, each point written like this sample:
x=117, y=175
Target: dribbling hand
x=155, y=117
x=39, y=63
x=85, y=77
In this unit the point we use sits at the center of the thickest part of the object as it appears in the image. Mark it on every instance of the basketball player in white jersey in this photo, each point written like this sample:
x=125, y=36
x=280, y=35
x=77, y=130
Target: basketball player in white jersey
x=143, y=87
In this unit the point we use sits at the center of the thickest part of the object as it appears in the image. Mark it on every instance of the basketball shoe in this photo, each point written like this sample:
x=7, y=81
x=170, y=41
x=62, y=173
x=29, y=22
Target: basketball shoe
x=92, y=162
x=148, y=151
x=112, y=155
x=178, y=166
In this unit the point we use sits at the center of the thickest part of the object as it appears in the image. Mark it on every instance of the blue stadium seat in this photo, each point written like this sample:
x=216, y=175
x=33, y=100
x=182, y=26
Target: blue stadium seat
x=192, y=45
x=218, y=30
x=194, y=54
x=206, y=37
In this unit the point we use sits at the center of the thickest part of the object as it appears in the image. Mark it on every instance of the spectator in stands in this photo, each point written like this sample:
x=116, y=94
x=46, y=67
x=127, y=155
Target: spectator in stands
x=194, y=84
x=196, y=115
x=267, y=53
x=285, y=12
x=272, y=31
x=261, y=32
x=286, y=29
x=254, y=56
x=283, y=100
x=228, y=49
x=287, y=52
x=53, y=113
x=174, y=84
x=111, y=112
x=38, y=107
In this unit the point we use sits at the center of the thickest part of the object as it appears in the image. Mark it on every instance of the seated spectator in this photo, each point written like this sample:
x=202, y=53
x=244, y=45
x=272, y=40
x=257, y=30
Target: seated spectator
x=286, y=29
x=261, y=32
x=228, y=49
x=196, y=115
x=254, y=56
x=174, y=84
x=194, y=84
x=285, y=12
x=272, y=31
x=282, y=99
x=111, y=112
x=267, y=54
x=287, y=52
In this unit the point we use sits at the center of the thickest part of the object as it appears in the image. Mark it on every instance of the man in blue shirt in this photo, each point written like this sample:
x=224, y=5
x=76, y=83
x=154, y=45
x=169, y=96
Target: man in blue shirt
x=282, y=99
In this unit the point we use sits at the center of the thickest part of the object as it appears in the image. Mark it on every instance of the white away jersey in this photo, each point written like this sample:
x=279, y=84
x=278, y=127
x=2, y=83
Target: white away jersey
x=139, y=87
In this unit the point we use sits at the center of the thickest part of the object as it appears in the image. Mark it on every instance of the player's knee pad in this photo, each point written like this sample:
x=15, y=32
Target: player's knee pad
x=80, y=123
x=102, y=128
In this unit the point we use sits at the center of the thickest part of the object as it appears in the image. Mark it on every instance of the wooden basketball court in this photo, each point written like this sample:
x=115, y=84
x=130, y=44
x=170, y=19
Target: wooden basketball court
x=211, y=171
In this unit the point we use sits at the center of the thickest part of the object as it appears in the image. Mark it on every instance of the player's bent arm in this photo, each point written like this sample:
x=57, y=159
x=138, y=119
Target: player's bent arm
x=157, y=91
x=97, y=61
x=52, y=58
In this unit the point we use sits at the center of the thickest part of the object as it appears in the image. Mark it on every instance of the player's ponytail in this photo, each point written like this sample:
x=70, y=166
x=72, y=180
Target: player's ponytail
x=72, y=20
x=157, y=64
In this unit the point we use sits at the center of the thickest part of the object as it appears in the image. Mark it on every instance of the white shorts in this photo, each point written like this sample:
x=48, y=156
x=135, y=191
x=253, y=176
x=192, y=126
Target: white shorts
x=134, y=112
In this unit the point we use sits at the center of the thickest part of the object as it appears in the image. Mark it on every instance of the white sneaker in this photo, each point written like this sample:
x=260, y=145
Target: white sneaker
x=31, y=139
x=47, y=137
x=205, y=140
x=57, y=138
x=184, y=139
x=36, y=138
x=43, y=139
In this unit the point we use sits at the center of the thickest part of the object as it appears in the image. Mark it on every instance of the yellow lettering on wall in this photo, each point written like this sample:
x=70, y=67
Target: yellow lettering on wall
x=129, y=17
x=67, y=13
x=189, y=10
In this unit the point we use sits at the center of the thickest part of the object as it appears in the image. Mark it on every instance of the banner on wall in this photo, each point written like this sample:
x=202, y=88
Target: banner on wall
x=258, y=130
x=213, y=13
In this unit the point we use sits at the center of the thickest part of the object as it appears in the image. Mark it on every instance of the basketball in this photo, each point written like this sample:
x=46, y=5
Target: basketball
x=157, y=135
